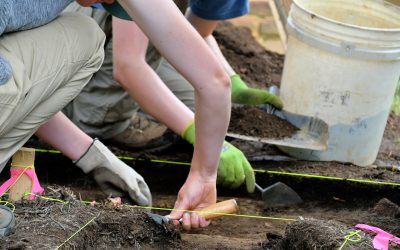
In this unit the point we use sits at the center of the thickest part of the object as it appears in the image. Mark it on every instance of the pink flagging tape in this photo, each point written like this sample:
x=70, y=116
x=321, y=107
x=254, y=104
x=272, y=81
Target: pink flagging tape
x=381, y=239
x=15, y=174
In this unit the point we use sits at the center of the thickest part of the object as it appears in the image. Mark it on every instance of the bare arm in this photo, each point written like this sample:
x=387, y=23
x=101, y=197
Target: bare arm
x=177, y=40
x=205, y=29
x=184, y=48
x=140, y=81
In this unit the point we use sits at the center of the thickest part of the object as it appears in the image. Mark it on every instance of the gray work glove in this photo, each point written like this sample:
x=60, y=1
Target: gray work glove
x=113, y=175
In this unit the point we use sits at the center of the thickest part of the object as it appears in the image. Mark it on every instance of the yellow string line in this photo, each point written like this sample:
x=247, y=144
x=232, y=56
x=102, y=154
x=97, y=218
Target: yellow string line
x=22, y=166
x=349, y=236
x=6, y=203
x=206, y=212
x=256, y=170
x=327, y=177
x=179, y=210
x=80, y=229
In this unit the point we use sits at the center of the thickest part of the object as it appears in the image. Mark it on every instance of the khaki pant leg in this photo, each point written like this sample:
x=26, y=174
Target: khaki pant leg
x=103, y=109
x=51, y=64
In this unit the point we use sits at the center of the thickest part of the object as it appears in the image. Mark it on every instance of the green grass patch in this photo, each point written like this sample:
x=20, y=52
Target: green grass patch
x=396, y=101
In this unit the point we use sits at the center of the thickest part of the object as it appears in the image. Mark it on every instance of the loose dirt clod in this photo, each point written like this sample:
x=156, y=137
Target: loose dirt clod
x=253, y=121
x=319, y=234
x=387, y=208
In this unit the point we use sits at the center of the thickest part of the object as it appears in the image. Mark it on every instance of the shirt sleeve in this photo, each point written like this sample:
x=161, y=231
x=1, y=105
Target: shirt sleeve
x=219, y=9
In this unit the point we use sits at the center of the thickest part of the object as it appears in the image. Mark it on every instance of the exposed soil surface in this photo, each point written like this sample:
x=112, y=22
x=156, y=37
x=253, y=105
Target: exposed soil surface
x=46, y=224
x=257, y=66
x=252, y=121
x=337, y=204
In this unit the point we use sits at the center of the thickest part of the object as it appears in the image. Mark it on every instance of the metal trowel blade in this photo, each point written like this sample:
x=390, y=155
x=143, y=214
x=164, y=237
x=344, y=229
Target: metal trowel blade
x=280, y=195
x=159, y=219
x=312, y=134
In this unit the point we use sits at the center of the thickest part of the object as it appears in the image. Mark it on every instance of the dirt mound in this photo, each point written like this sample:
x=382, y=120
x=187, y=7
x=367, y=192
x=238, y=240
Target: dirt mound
x=257, y=66
x=318, y=234
x=45, y=224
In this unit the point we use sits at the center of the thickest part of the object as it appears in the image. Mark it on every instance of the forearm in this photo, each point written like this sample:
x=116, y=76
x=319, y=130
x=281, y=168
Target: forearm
x=154, y=97
x=205, y=29
x=212, y=43
x=65, y=136
x=129, y=49
x=175, y=39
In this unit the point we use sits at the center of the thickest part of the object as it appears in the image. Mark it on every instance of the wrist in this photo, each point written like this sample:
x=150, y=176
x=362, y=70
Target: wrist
x=237, y=83
x=204, y=175
x=188, y=133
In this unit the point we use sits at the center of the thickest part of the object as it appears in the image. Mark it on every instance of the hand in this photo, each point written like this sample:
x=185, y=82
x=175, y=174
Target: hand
x=233, y=168
x=195, y=194
x=241, y=94
x=113, y=175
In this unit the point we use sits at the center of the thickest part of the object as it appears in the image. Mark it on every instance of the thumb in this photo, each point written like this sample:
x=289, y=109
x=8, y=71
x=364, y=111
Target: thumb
x=250, y=177
x=180, y=206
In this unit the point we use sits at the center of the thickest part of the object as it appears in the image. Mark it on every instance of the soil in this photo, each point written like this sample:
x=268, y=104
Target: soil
x=338, y=205
x=257, y=66
x=252, y=121
x=45, y=224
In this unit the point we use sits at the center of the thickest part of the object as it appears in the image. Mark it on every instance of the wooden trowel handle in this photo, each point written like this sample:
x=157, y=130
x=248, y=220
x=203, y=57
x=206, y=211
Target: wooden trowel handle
x=219, y=209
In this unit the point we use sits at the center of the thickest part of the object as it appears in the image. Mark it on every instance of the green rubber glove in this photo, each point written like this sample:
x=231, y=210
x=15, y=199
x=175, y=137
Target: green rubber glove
x=233, y=169
x=241, y=94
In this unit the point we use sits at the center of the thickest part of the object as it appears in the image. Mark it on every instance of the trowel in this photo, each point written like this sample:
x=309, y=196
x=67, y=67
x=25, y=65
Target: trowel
x=279, y=195
x=312, y=133
x=216, y=210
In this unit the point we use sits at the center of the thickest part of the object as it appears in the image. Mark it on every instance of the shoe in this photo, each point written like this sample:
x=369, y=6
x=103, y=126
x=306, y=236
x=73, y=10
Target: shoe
x=145, y=135
x=7, y=220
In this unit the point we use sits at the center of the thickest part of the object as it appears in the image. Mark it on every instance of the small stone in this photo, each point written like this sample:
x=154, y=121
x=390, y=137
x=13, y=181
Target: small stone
x=387, y=208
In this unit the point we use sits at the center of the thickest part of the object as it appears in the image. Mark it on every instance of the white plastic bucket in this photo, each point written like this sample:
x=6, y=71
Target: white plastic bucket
x=342, y=66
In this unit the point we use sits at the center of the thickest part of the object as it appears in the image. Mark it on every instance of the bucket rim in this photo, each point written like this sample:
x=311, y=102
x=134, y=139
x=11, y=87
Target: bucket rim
x=365, y=28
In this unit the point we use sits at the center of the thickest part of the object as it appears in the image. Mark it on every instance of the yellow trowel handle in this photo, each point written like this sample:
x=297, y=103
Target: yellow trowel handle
x=219, y=209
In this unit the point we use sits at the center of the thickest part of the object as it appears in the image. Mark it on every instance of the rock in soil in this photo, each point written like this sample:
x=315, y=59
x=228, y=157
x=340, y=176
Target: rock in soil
x=387, y=208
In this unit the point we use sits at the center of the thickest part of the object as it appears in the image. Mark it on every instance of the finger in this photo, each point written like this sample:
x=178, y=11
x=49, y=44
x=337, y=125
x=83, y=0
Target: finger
x=136, y=193
x=186, y=221
x=145, y=190
x=177, y=212
x=203, y=222
x=250, y=177
x=239, y=174
x=221, y=174
x=140, y=198
x=194, y=220
x=226, y=171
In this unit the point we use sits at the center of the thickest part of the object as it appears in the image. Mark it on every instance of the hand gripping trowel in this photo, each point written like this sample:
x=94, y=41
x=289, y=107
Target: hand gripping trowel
x=216, y=210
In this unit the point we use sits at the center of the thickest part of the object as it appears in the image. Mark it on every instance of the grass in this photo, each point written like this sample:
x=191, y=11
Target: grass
x=396, y=101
